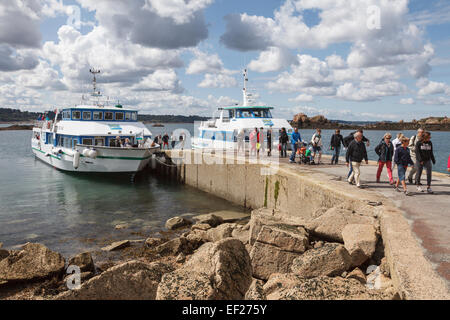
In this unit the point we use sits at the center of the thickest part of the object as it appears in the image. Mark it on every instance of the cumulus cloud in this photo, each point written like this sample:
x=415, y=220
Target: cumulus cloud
x=217, y=81
x=428, y=87
x=302, y=98
x=407, y=101
x=180, y=11
x=205, y=63
x=272, y=59
x=139, y=22
x=370, y=91
x=12, y=61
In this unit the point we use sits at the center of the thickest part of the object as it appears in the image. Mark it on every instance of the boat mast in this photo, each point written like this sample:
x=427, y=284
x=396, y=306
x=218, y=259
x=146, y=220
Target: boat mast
x=244, y=91
x=95, y=93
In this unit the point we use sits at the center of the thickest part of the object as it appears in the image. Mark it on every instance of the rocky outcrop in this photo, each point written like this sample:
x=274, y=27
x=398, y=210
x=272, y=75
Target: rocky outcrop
x=275, y=249
x=255, y=291
x=227, y=267
x=3, y=253
x=174, y=247
x=329, y=226
x=117, y=245
x=84, y=261
x=153, y=242
x=358, y=275
x=34, y=262
x=360, y=241
x=186, y=285
x=221, y=232
x=201, y=226
x=177, y=222
x=331, y=259
x=294, y=287
x=133, y=280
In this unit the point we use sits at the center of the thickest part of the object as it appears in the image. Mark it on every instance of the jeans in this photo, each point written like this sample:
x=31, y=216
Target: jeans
x=401, y=170
x=284, y=149
x=428, y=166
x=356, y=173
x=294, y=151
x=389, y=169
x=335, y=157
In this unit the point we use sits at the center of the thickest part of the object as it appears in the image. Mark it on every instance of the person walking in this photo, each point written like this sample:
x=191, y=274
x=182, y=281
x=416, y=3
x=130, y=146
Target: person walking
x=269, y=142
x=241, y=140
x=348, y=139
x=173, y=140
x=182, y=139
x=295, y=141
x=385, y=152
x=317, y=145
x=262, y=138
x=165, y=140
x=283, y=140
x=253, y=141
x=335, y=144
x=412, y=149
x=356, y=153
x=424, y=156
x=402, y=158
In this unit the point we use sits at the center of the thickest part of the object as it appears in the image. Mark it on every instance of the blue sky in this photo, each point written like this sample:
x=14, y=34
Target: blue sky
x=186, y=57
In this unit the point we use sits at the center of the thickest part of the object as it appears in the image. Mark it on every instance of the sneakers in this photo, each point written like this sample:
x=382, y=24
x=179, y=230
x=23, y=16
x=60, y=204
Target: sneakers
x=290, y=161
x=397, y=189
x=406, y=193
x=429, y=190
x=419, y=189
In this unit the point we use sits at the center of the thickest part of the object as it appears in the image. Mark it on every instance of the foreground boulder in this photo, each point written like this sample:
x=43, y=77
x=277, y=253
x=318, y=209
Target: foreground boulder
x=275, y=249
x=174, y=247
x=329, y=225
x=294, y=287
x=226, y=264
x=84, y=261
x=133, y=280
x=255, y=291
x=34, y=262
x=3, y=253
x=117, y=245
x=177, y=222
x=360, y=241
x=331, y=259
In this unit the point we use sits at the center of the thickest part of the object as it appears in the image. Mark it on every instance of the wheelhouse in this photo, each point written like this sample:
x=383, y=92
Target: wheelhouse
x=97, y=114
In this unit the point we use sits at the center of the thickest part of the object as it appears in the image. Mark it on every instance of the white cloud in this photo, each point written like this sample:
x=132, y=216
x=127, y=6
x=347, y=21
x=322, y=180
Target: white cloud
x=205, y=63
x=180, y=11
x=368, y=91
x=217, y=81
x=336, y=62
x=302, y=98
x=407, y=101
x=428, y=87
x=272, y=59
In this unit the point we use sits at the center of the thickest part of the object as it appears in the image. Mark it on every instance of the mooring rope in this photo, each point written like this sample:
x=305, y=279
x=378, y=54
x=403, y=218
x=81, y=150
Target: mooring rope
x=163, y=163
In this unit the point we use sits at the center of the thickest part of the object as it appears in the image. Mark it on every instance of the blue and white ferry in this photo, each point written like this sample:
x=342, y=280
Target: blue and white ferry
x=221, y=132
x=94, y=137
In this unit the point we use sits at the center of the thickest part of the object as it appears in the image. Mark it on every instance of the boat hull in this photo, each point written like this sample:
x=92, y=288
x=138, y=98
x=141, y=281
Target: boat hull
x=107, y=159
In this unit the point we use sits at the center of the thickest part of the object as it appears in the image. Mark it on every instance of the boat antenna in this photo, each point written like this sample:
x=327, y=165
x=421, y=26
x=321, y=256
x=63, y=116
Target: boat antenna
x=94, y=82
x=244, y=91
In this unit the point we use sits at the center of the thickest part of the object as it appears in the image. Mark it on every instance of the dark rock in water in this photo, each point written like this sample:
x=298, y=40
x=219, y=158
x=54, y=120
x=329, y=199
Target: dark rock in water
x=153, y=242
x=331, y=259
x=219, y=270
x=18, y=127
x=133, y=280
x=84, y=261
x=117, y=245
x=177, y=222
x=210, y=219
x=34, y=262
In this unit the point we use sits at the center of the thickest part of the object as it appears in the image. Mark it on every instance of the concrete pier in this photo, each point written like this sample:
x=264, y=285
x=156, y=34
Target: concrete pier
x=414, y=229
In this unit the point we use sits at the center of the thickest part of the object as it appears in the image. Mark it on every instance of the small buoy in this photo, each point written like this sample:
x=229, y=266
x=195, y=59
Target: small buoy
x=76, y=159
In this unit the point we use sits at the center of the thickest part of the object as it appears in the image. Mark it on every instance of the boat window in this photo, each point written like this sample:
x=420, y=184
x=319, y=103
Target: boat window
x=231, y=113
x=134, y=116
x=75, y=142
x=128, y=116
x=87, y=141
x=258, y=113
x=119, y=115
x=66, y=115
x=98, y=115
x=76, y=115
x=208, y=134
x=267, y=114
x=108, y=115
x=86, y=115
x=67, y=143
x=99, y=142
x=246, y=114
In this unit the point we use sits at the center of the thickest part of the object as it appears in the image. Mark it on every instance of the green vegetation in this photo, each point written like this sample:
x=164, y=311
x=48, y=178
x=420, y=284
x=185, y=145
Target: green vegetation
x=277, y=190
x=265, y=192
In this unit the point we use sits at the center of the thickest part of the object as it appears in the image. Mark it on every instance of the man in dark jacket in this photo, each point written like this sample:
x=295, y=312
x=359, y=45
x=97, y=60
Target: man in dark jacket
x=424, y=156
x=356, y=153
x=284, y=139
x=385, y=152
x=335, y=144
x=349, y=139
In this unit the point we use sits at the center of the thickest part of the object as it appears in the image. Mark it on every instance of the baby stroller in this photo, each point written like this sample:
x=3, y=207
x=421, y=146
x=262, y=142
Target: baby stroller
x=302, y=154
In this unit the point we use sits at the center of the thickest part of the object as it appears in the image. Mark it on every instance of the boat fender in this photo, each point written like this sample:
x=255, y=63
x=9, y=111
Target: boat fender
x=93, y=154
x=86, y=152
x=76, y=159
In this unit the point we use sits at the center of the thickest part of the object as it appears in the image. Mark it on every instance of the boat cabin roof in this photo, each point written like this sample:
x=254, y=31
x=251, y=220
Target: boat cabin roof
x=245, y=107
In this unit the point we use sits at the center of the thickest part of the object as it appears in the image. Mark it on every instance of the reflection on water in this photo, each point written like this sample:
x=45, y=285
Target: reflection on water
x=65, y=211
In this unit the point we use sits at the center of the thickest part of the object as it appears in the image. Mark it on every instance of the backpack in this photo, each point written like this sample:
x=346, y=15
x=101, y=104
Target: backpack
x=348, y=139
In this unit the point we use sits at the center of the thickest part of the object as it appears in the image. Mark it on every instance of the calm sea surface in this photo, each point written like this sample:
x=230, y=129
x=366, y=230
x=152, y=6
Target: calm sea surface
x=41, y=204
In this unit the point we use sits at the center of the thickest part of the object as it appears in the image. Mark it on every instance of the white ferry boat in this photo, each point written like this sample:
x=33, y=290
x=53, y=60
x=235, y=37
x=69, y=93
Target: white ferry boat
x=94, y=137
x=221, y=132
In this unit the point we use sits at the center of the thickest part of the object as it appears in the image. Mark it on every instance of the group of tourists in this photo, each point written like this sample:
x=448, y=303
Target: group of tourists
x=402, y=152
x=260, y=141
x=415, y=152
x=163, y=141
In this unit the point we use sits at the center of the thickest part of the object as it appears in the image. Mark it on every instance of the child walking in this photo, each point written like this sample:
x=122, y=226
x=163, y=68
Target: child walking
x=402, y=159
